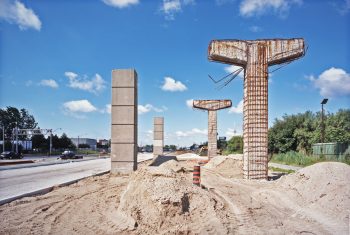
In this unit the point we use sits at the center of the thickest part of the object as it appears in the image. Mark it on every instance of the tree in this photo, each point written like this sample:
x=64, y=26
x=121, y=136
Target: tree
x=65, y=142
x=299, y=131
x=39, y=142
x=10, y=115
x=235, y=144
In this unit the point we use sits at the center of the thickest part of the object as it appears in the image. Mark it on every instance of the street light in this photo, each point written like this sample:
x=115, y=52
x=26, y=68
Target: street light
x=3, y=137
x=324, y=101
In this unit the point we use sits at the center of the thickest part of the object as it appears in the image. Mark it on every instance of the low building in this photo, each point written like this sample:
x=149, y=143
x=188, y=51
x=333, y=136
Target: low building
x=103, y=142
x=86, y=141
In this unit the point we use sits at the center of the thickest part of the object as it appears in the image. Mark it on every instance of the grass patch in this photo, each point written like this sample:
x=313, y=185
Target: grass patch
x=294, y=158
x=276, y=169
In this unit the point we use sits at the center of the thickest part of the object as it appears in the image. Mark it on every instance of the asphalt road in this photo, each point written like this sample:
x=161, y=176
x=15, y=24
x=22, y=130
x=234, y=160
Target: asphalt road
x=23, y=181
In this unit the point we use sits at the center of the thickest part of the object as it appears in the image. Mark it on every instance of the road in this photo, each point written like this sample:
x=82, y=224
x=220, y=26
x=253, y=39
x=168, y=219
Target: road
x=25, y=181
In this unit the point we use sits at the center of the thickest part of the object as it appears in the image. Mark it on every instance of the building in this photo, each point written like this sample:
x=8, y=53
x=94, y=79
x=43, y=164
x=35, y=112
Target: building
x=103, y=142
x=91, y=142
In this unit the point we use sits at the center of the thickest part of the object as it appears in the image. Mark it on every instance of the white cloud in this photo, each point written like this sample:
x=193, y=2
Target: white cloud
x=108, y=108
x=79, y=106
x=171, y=85
x=17, y=13
x=255, y=29
x=333, y=82
x=120, y=3
x=148, y=107
x=193, y=132
x=94, y=85
x=237, y=109
x=170, y=7
x=250, y=8
x=49, y=82
x=189, y=103
x=233, y=68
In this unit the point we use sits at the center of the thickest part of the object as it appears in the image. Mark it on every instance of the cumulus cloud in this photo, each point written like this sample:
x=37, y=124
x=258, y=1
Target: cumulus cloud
x=80, y=106
x=189, y=103
x=148, y=107
x=170, y=7
x=193, y=132
x=332, y=82
x=249, y=8
x=237, y=109
x=49, y=83
x=233, y=68
x=171, y=85
x=94, y=85
x=108, y=108
x=121, y=3
x=17, y=13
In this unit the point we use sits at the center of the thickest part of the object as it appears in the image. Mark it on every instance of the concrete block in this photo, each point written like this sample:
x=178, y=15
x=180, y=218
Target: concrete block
x=123, y=134
x=159, y=135
x=123, y=96
x=124, y=78
x=123, y=152
x=158, y=143
x=158, y=128
x=123, y=115
x=158, y=120
x=123, y=167
x=157, y=150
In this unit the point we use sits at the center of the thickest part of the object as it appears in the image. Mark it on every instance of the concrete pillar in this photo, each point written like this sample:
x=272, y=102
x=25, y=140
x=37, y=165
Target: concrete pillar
x=158, y=136
x=255, y=112
x=212, y=133
x=124, y=121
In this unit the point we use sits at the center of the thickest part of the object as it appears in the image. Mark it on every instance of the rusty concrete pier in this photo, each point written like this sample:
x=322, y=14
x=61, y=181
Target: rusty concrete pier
x=255, y=56
x=212, y=106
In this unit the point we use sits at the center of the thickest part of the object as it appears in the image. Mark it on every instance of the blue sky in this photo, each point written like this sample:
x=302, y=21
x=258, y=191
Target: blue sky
x=56, y=59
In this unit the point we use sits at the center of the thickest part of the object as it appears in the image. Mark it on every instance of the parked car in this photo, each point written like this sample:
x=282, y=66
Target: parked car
x=10, y=155
x=70, y=155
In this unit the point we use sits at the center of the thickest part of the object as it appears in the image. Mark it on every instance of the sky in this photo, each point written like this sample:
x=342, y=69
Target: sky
x=56, y=59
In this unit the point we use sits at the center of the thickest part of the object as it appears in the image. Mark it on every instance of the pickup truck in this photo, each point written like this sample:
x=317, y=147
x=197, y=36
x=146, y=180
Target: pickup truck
x=70, y=155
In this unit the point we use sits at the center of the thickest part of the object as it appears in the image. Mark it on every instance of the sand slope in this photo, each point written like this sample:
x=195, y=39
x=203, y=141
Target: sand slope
x=162, y=200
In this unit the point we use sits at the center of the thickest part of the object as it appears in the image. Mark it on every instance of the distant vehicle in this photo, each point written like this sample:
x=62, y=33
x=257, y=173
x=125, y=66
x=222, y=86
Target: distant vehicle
x=10, y=155
x=70, y=155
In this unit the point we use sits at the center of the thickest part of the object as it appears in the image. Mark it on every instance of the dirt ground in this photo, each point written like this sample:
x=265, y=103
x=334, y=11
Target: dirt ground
x=162, y=200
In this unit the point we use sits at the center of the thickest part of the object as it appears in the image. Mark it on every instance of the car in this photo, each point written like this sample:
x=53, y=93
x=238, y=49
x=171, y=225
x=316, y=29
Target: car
x=70, y=155
x=10, y=155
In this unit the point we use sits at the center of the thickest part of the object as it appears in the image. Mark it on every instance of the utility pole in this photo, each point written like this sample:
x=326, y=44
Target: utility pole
x=16, y=138
x=3, y=138
x=50, y=141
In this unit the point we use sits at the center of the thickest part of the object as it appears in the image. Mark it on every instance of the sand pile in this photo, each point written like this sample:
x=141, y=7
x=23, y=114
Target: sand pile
x=227, y=166
x=160, y=201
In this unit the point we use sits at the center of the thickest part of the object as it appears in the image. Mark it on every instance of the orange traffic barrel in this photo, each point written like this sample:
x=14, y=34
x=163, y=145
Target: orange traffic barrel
x=196, y=175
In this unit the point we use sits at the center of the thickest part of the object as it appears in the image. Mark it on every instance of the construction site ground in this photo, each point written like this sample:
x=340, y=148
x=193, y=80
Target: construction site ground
x=159, y=198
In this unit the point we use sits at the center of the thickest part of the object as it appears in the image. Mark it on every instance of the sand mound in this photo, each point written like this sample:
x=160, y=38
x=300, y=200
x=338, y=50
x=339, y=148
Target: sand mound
x=164, y=204
x=226, y=166
x=325, y=185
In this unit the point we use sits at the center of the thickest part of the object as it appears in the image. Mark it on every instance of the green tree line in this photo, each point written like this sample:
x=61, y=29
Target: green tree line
x=297, y=132
x=11, y=117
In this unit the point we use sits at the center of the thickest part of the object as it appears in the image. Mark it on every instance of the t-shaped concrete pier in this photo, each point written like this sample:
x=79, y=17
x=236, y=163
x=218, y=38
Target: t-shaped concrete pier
x=158, y=136
x=212, y=106
x=124, y=121
x=255, y=56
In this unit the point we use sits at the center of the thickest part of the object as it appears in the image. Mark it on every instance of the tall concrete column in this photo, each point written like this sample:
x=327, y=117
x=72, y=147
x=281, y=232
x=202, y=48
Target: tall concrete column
x=158, y=134
x=255, y=110
x=124, y=121
x=212, y=133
